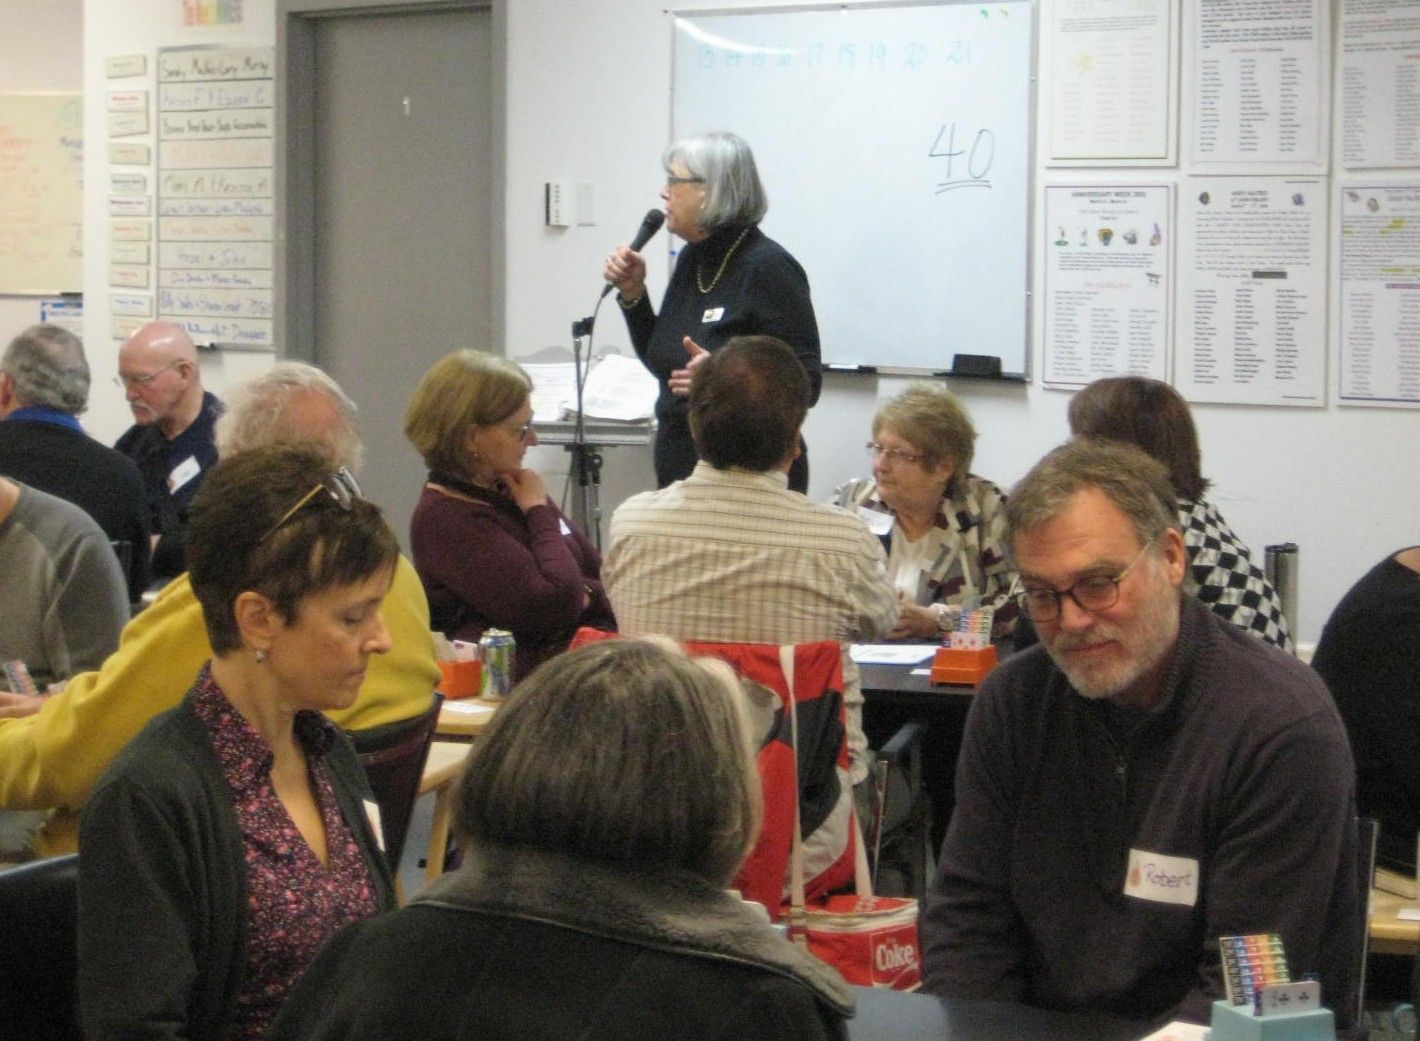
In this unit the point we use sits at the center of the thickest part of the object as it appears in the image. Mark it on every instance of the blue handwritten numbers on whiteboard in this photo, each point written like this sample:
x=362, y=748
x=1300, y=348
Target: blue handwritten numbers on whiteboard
x=973, y=161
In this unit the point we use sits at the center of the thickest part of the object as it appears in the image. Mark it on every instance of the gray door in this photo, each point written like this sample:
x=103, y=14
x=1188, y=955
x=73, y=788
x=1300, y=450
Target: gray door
x=401, y=205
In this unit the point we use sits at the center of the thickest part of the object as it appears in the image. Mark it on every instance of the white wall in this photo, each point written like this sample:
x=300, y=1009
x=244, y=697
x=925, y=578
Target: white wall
x=41, y=50
x=587, y=88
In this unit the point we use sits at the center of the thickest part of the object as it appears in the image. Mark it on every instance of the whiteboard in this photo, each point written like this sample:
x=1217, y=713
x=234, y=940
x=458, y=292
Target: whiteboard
x=41, y=193
x=896, y=147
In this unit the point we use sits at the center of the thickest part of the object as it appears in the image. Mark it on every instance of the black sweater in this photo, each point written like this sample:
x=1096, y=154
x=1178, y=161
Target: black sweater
x=763, y=291
x=163, y=889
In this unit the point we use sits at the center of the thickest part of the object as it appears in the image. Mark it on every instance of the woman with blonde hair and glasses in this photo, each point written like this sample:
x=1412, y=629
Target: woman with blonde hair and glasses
x=603, y=812
x=943, y=527
x=234, y=835
x=493, y=551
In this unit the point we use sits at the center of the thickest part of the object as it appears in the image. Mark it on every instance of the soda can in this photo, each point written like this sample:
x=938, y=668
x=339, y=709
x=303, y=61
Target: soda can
x=496, y=649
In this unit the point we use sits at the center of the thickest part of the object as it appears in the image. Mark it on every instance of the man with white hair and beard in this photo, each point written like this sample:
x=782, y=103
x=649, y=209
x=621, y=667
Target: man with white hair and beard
x=1146, y=780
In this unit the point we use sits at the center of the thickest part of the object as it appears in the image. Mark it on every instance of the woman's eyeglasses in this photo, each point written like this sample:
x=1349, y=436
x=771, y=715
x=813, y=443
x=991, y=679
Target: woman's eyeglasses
x=892, y=455
x=672, y=180
x=340, y=486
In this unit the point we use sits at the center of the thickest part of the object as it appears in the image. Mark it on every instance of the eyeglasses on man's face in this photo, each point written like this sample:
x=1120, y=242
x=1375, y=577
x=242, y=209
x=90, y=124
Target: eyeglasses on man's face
x=127, y=380
x=340, y=486
x=1091, y=593
x=892, y=455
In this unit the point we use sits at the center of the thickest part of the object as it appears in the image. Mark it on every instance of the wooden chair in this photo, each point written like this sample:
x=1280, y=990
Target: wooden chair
x=393, y=757
x=39, y=910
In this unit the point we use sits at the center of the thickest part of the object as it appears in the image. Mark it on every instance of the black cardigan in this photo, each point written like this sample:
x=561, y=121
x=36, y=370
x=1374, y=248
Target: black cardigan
x=762, y=291
x=162, y=884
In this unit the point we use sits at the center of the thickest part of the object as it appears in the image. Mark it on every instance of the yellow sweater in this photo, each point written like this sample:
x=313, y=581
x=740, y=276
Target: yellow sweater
x=54, y=758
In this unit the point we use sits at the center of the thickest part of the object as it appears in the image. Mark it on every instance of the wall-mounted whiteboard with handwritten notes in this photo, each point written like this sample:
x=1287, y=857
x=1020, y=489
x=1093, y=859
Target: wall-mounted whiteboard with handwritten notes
x=41, y=193
x=895, y=146
x=215, y=193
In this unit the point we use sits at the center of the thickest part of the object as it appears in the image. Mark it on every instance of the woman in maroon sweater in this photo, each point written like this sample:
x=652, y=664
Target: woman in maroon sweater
x=492, y=549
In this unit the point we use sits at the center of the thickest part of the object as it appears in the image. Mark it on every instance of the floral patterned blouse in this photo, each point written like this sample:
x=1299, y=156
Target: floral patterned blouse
x=965, y=551
x=294, y=902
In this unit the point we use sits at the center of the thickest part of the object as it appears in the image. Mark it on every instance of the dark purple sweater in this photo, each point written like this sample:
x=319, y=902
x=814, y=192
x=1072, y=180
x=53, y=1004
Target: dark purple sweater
x=486, y=565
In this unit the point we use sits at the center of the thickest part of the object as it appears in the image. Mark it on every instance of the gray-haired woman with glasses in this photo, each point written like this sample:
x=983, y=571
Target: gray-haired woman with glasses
x=236, y=833
x=943, y=527
x=729, y=280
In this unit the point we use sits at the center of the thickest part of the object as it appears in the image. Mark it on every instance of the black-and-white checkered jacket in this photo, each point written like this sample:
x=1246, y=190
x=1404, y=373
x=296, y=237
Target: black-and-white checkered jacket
x=1225, y=577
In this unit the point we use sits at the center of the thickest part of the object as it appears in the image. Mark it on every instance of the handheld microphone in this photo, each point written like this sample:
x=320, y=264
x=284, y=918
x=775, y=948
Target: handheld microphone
x=649, y=226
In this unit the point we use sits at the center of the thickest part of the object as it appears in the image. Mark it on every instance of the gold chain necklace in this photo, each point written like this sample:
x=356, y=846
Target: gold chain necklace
x=699, y=284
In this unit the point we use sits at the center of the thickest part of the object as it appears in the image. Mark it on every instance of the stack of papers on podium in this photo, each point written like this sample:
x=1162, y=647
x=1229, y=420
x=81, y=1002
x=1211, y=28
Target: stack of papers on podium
x=617, y=388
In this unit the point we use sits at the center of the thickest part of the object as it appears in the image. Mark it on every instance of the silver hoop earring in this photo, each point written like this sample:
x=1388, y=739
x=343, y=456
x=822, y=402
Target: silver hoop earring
x=260, y=656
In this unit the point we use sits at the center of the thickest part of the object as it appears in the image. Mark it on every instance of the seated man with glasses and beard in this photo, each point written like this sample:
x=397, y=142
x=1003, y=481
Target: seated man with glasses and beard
x=1147, y=779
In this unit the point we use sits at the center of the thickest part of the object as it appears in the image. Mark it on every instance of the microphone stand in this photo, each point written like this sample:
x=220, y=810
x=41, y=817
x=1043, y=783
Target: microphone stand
x=586, y=460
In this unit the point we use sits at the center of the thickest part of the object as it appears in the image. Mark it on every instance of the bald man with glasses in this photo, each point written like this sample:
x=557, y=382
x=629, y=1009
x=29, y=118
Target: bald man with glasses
x=173, y=438
x=1146, y=780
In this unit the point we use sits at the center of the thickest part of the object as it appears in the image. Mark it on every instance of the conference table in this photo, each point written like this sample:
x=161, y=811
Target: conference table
x=898, y=694
x=887, y=1015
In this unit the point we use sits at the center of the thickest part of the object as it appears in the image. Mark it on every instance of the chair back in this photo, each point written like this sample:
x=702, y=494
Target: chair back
x=39, y=910
x=820, y=768
x=393, y=757
x=1367, y=830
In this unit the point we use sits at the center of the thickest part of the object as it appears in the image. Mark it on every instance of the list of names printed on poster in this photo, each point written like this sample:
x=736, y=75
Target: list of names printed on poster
x=1113, y=81
x=1252, y=291
x=1260, y=75
x=1380, y=83
x=1378, y=350
x=1107, y=282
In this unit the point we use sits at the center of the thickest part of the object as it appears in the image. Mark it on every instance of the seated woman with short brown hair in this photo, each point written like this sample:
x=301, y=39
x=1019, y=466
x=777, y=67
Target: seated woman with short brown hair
x=604, y=810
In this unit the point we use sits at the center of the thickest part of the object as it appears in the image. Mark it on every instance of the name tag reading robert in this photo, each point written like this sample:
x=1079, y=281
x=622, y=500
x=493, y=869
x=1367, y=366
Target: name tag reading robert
x=712, y=314
x=183, y=472
x=1164, y=880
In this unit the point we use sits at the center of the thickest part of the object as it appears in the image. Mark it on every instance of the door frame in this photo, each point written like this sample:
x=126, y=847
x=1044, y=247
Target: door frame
x=294, y=253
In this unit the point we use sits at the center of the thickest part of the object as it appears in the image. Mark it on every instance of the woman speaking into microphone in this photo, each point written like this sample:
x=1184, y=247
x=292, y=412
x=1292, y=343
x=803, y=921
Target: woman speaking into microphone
x=730, y=280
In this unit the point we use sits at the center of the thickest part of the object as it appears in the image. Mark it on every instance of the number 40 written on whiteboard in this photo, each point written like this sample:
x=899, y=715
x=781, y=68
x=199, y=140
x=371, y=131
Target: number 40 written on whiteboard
x=968, y=165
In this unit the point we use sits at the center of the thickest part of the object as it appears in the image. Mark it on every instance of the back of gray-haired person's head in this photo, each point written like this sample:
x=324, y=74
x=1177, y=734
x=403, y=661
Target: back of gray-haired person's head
x=1133, y=480
x=48, y=366
x=267, y=409
x=733, y=192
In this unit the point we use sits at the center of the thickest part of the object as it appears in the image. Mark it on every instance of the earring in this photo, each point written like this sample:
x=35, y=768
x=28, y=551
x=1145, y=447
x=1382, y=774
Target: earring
x=260, y=656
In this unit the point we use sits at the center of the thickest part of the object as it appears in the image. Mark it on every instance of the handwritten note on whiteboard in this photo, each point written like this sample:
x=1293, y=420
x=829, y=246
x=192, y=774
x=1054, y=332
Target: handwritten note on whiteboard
x=215, y=198
x=41, y=199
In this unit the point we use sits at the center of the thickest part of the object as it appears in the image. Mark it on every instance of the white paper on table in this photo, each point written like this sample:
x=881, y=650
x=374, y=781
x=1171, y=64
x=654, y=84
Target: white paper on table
x=892, y=653
x=469, y=708
x=1178, y=1031
x=554, y=389
x=621, y=388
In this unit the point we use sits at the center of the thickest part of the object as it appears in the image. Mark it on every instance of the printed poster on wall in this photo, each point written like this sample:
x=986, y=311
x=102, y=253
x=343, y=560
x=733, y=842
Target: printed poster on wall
x=1252, y=291
x=1107, y=282
x=216, y=201
x=1378, y=350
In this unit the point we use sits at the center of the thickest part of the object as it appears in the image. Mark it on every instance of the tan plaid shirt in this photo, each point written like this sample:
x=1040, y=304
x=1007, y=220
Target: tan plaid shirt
x=733, y=556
